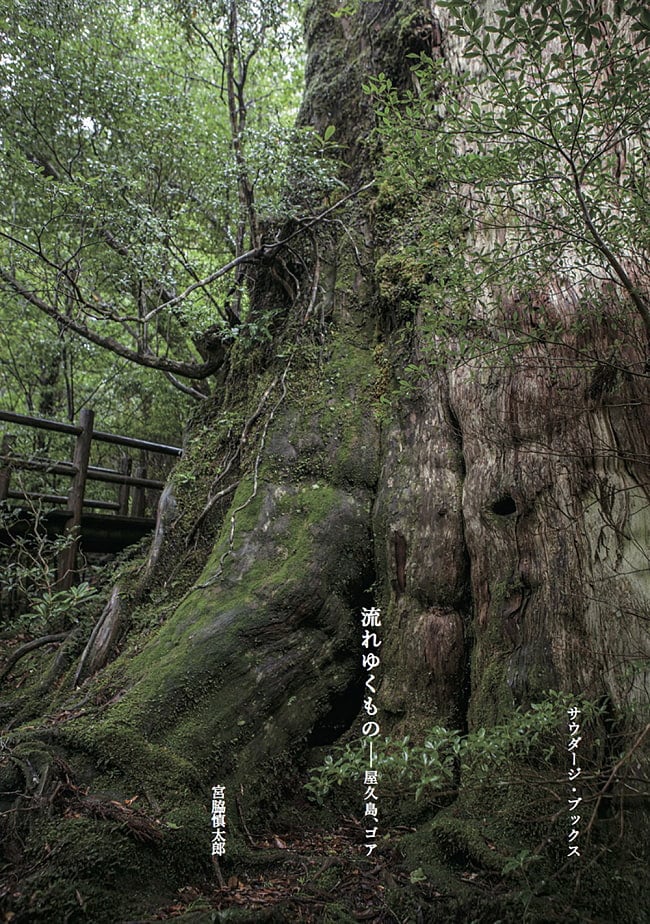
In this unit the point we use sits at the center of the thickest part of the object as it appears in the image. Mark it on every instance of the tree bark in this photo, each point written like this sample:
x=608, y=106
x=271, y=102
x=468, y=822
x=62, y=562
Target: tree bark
x=497, y=514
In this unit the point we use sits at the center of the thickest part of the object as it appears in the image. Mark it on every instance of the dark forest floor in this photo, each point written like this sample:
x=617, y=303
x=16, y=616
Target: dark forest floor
x=324, y=877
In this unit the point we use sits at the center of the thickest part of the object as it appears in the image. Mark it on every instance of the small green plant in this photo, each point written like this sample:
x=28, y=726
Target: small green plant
x=30, y=599
x=418, y=875
x=414, y=770
x=181, y=478
x=520, y=862
x=56, y=608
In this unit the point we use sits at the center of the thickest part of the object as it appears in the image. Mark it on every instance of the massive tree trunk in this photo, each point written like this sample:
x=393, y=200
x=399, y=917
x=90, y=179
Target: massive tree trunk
x=496, y=513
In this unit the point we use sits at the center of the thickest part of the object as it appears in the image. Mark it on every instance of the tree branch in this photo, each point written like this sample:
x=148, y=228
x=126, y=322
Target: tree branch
x=250, y=256
x=638, y=300
x=150, y=360
x=187, y=370
x=186, y=389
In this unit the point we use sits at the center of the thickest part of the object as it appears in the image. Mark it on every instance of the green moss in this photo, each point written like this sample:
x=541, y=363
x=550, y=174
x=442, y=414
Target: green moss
x=401, y=276
x=76, y=860
x=326, y=418
x=492, y=699
x=120, y=752
x=499, y=853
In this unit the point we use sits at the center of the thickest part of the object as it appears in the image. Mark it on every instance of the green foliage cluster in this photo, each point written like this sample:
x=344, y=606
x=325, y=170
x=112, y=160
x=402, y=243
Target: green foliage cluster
x=29, y=598
x=530, y=164
x=434, y=767
x=56, y=608
x=143, y=149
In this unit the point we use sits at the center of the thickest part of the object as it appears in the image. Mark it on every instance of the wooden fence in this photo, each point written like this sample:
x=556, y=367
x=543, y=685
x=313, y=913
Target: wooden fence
x=127, y=511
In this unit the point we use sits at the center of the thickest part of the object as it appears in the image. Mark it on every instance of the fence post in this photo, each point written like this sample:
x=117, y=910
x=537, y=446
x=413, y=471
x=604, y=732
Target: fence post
x=137, y=507
x=68, y=558
x=5, y=471
x=125, y=489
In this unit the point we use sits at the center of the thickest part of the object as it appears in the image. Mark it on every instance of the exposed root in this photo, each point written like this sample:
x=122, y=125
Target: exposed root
x=231, y=539
x=102, y=639
x=30, y=646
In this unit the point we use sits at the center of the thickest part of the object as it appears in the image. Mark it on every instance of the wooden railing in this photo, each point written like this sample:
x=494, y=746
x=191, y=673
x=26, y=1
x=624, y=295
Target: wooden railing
x=131, y=497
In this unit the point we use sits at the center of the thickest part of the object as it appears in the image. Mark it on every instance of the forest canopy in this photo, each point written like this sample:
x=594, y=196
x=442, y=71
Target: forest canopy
x=146, y=148
x=143, y=148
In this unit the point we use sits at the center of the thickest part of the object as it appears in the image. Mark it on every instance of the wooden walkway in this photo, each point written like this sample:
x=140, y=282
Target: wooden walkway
x=123, y=520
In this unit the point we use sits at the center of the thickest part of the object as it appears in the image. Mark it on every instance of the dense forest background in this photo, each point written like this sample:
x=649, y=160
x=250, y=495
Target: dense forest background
x=382, y=269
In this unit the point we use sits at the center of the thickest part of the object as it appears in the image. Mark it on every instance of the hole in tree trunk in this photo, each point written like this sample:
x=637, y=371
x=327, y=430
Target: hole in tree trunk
x=504, y=506
x=346, y=705
x=345, y=708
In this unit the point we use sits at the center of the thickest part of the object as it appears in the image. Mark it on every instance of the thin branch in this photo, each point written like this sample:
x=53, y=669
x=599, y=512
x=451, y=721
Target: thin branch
x=639, y=302
x=186, y=369
x=250, y=256
x=612, y=776
x=186, y=389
